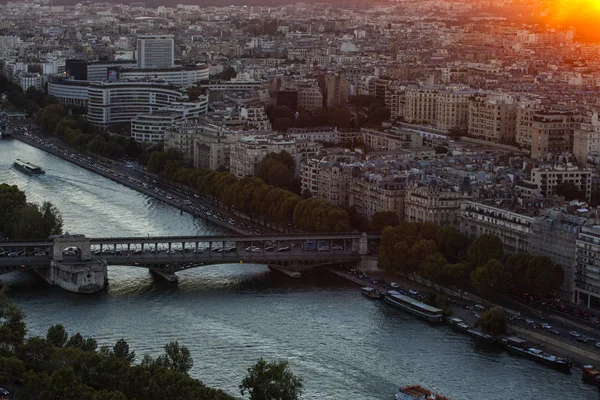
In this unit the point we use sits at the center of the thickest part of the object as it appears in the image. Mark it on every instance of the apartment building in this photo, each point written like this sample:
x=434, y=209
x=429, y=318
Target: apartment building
x=390, y=140
x=586, y=138
x=436, y=202
x=492, y=117
x=543, y=180
x=257, y=118
x=373, y=192
x=420, y=105
x=587, y=267
x=310, y=97
x=453, y=109
x=512, y=227
x=551, y=133
x=250, y=150
x=336, y=89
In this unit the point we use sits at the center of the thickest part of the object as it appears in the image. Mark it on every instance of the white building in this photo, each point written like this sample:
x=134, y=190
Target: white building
x=155, y=51
x=153, y=126
x=119, y=101
x=250, y=150
x=177, y=76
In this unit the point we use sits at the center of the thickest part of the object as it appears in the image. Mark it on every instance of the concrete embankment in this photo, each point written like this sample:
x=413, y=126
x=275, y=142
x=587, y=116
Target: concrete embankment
x=558, y=346
x=126, y=182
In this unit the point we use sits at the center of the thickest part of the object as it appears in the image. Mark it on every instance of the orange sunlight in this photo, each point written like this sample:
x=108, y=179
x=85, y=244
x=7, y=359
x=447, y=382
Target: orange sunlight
x=584, y=15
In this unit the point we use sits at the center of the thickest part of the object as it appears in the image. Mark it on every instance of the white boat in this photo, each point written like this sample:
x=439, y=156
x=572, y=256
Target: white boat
x=415, y=307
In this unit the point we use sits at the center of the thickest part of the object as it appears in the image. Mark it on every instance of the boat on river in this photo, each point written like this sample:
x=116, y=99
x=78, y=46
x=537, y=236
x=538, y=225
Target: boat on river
x=591, y=375
x=460, y=326
x=520, y=346
x=416, y=392
x=415, y=307
x=371, y=292
x=28, y=168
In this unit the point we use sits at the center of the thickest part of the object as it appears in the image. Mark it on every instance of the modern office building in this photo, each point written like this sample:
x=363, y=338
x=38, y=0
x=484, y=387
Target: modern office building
x=155, y=51
x=68, y=92
x=177, y=76
x=121, y=101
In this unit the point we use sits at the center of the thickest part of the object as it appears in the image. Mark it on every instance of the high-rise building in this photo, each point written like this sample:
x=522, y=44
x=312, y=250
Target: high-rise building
x=155, y=51
x=492, y=117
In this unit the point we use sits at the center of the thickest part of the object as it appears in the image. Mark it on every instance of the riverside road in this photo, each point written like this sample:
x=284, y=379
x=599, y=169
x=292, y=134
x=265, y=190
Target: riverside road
x=345, y=346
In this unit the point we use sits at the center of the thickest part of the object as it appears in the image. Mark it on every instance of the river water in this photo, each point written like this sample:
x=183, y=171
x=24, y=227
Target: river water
x=345, y=346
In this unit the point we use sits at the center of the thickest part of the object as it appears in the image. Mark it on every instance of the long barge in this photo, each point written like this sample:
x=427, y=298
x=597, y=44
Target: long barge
x=415, y=307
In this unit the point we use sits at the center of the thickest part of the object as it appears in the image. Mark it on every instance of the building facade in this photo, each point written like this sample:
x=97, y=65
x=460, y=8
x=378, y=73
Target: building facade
x=155, y=51
x=493, y=118
x=434, y=203
x=250, y=150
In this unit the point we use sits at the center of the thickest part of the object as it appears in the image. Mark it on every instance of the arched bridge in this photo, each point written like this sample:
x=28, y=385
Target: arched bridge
x=170, y=254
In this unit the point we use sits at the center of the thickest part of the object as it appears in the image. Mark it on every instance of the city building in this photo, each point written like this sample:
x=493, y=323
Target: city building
x=250, y=150
x=587, y=267
x=492, y=117
x=68, y=92
x=586, y=139
x=155, y=51
x=551, y=133
x=511, y=226
x=543, y=180
x=176, y=76
x=436, y=202
x=112, y=102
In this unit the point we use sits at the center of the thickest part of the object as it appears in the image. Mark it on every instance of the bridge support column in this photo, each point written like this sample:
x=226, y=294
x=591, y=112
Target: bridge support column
x=361, y=245
x=84, y=277
x=169, y=276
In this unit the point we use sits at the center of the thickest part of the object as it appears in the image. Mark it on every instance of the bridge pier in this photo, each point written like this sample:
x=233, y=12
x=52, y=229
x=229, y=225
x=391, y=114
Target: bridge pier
x=169, y=276
x=285, y=271
x=89, y=277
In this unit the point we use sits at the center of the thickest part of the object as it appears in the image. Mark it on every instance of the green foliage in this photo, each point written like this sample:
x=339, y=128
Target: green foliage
x=176, y=358
x=271, y=381
x=38, y=222
x=57, y=335
x=535, y=273
x=121, y=350
x=382, y=219
x=11, y=369
x=486, y=247
x=49, y=118
x=570, y=191
x=12, y=325
x=493, y=321
x=277, y=169
x=11, y=201
x=282, y=124
x=493, y=276
x=453, y=244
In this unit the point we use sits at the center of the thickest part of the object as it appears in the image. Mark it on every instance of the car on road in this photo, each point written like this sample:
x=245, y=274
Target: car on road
x=40, y=254
x=4, y=392
x=575, y=334
x=269, y=248
x=284, y=249
x=13, y=254
x=337, y=247
x=324, y=248
x=394, y=285
x=529, y=321
x=546, y=325
x=554, y=332
x=413, y=292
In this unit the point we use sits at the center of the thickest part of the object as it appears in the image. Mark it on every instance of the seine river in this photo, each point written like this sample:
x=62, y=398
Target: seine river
x=345, y=346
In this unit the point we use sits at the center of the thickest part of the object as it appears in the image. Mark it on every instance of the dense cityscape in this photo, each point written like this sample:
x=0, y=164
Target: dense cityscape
x=444, y=155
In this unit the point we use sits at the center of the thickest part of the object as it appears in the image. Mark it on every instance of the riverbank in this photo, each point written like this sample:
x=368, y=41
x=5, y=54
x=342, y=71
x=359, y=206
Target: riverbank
x=579, y=355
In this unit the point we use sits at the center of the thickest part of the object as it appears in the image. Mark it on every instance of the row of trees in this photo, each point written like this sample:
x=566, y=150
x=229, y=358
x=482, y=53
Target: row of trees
x=65, y=367
x=22, y=220
x=80, y=134
x=252, y=196
x=445, y=256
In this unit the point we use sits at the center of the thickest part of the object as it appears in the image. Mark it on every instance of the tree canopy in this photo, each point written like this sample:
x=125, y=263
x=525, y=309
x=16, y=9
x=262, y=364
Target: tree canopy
x=271, y=381
x=493, y=321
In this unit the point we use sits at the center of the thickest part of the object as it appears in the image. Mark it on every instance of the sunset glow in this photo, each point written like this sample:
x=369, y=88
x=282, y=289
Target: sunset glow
x=584, y=15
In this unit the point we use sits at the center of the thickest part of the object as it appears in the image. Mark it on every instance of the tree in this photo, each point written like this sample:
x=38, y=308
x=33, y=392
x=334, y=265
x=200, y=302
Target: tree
x=340, y=118
x=282, y=124
x=434, y=267
x=569, y=190
x=176, y=358
x=11, y=369
x=12, y=325
x=57, y=335
x=453, y=244
x=228, y=73
x=491, y=276
x=51, y=116
x=35, y=222
x=486, y=247
x=11, y=201
x=121, y=350
x=493, y=321
x=271, y=381
x=382, y=219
